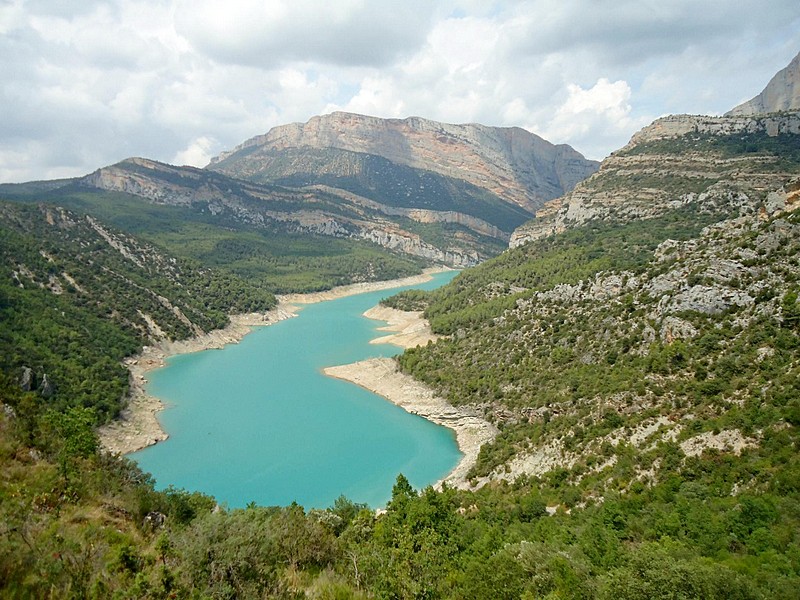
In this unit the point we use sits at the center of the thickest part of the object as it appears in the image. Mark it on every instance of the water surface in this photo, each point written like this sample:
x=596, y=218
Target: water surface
x=258, y=421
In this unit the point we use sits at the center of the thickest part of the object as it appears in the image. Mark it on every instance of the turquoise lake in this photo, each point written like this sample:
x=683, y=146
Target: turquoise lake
x=258, y=421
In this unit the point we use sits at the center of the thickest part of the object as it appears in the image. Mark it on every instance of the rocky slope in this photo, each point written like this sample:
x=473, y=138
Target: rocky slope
x=316, y=211
x=511, y=164
x=645, y=319
x=701, y=306
x=724, y=165
x=78, y=296
x=782, y=93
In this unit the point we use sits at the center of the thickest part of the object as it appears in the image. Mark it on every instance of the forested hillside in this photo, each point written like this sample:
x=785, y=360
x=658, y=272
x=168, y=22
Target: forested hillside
x=78, y=297
x=270, y=255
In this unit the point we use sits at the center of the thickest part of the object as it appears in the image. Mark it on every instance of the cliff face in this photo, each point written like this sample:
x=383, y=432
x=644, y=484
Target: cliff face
x=782, y=93
x=510, y=163
x=451, y=194
x=319, y=211
x=726, y=165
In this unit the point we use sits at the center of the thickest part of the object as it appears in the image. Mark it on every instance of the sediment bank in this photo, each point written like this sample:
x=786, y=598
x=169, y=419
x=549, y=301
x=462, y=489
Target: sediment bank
x=381, y=376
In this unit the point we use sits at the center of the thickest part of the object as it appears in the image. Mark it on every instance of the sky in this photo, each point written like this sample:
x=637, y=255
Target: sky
x=85, y=84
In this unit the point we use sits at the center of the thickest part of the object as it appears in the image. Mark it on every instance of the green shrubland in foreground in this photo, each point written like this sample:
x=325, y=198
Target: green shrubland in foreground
x=79, y=524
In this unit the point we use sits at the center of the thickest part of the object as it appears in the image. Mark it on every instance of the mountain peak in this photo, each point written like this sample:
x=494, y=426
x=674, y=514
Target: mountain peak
x=782, y=93
x=510, y=163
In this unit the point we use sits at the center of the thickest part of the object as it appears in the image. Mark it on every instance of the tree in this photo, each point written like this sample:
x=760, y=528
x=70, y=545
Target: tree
x=791, y=310
x=71, y=436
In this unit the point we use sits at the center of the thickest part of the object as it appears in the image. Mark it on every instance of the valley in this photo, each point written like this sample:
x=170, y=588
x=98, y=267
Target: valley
x=630, y=362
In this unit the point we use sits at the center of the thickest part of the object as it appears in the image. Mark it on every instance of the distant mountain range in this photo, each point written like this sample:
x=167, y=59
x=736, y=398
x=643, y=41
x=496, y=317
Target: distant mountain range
x=449, y=194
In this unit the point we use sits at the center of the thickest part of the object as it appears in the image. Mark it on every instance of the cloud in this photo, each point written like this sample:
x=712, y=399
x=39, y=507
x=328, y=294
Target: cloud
x=88, y=84
x=197, y=154
x=269, y=33
x=595, y=118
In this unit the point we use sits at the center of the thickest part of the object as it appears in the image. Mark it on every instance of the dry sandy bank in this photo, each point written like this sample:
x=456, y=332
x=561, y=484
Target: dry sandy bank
x=381, y=376
x=138, y=426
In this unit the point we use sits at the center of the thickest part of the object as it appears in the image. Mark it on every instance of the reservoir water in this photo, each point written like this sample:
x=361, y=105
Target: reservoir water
x=258, y=421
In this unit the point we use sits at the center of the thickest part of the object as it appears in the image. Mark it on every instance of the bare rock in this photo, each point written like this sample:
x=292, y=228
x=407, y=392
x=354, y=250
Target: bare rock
x=782, y=93
x=46, y=388
x=673, y=328
x=26, y=381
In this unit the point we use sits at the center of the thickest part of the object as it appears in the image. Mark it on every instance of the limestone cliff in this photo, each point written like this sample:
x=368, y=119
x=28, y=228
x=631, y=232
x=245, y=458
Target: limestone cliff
x=782, y=93
x=507, y=162
x=726, y=165
x=316, y=211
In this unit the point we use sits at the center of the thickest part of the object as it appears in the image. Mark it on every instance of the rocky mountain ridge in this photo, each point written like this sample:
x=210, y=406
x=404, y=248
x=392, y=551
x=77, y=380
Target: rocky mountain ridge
x=722, y=164
x=782, y=93
x=510, y=163
x=316, y=211
x=447, y=194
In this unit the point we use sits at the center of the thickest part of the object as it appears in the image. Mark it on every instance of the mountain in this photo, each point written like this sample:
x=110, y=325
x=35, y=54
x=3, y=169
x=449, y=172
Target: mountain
x=720, y=165
x=208, y=218
x=782, y=93
x=445, y=194
x=638, y=350
x=385, y=159
x=455, y=239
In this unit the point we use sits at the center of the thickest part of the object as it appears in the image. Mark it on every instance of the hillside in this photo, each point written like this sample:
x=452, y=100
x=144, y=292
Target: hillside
x=394, y=160
x=588, y=315
x=218, y=226
x=716, y=164
x=79, y=296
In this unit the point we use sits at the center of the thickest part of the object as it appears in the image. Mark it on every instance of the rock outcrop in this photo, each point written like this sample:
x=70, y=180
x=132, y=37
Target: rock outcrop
x=725, y=165
x=781, y=94
x=508, y=162
x=26, y=381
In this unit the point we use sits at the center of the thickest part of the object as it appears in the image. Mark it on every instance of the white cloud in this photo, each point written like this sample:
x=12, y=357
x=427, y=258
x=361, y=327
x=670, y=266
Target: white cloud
x=595, y=118
x=198, y=153
x=87, y=84
x=270, y=32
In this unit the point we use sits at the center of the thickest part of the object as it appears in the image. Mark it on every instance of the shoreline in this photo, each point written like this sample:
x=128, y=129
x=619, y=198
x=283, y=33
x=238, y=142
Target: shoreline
x=138, y=427
x=382, y=376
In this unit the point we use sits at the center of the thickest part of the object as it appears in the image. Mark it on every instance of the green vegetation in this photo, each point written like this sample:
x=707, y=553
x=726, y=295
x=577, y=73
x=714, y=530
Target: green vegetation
x=630, y=521
x=380, y=180
x=104, y=532
x=485, y=291
x=268, y=257
x=442, y=235
x=782, y=151
x=76, y=298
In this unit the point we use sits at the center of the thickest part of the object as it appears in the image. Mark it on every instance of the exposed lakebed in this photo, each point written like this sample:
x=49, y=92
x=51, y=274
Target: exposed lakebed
x=258, y=421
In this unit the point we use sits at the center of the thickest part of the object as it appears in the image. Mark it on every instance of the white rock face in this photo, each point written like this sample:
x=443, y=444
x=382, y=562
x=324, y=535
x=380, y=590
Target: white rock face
x=640, y=181
x=782, y=93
